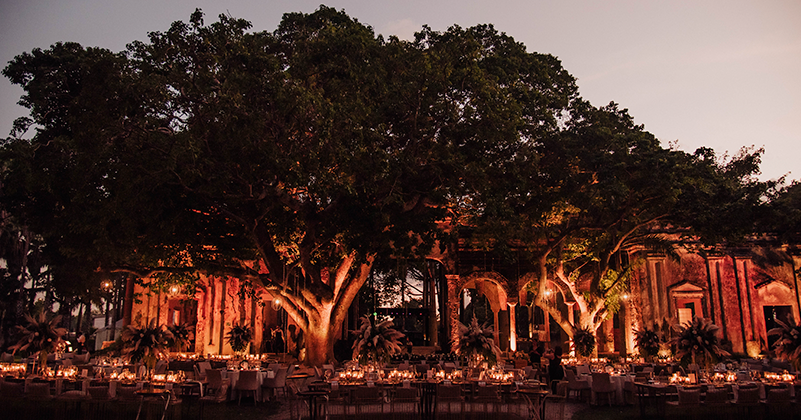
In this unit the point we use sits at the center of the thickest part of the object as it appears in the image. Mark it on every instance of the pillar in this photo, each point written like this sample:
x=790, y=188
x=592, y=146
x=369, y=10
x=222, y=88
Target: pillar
x=512, y=327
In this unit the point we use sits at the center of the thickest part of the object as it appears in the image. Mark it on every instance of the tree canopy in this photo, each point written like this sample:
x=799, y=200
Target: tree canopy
x=294, y=159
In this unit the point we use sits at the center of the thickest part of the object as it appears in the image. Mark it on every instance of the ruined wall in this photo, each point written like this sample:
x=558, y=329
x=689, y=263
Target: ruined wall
x=733, y=290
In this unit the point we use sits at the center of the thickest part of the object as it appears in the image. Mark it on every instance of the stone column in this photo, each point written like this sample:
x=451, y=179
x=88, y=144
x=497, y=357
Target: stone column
x=512, y=326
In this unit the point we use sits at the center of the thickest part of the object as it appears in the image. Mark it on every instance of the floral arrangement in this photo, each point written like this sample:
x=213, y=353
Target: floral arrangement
x=146, y=344
x=40, y=335
x=239, y=337
x=376, y=343
x=181, y=335
x=788, y=346
x=584, y=341
x=647, y=342
x=477, y=342
x=698, y=338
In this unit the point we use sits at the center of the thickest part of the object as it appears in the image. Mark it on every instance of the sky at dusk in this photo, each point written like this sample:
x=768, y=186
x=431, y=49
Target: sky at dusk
x=719, y=74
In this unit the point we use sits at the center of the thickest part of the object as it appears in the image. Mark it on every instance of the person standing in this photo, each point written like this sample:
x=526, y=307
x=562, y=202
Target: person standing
x=278, y=341
x=555, y=370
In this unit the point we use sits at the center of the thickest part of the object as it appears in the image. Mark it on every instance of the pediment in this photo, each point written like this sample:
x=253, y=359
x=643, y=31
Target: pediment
x=685, y=287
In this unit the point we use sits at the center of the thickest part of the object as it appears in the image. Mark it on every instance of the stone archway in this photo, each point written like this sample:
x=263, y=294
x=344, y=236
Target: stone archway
x=491, y=285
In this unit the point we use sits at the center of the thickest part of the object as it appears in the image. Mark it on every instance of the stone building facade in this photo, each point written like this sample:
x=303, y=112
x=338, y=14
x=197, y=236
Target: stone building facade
x=742, y=290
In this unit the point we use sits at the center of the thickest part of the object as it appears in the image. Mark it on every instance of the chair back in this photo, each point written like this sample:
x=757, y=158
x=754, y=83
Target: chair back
x=10, y=389
x=39, y=390
x=278, y=381
x=716, y=396
x=689, y=396
x=405, y=394
x=582, y=370
x=214, y=376
x=203, y=367
x=363, y=394
x=248, y=380
x=601, y=382
x=747, y=396
x=448, y=392
x=487, y=393
x=778, y=396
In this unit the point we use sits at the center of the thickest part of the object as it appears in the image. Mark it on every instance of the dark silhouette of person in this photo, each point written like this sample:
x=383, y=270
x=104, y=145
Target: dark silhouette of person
x=555, y=370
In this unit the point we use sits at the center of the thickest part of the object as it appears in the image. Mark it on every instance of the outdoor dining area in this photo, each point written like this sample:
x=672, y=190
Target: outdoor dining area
x=426, y=388
x=111, y=387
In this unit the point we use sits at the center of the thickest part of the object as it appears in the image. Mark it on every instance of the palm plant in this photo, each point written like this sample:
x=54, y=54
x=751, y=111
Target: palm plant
x=40, y=335
x=698, y=338
x=788, y=346
x=180, y=336
x=239, y=337
x=376, y=343
x=146, y=344
x=584, y=341
x=647, y=342
x=477, y=342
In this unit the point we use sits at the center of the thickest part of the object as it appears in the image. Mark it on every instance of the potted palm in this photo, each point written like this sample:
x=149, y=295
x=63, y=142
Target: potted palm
x=40, y=335
x=477, y=343
x=583, y=342
x=376, y=344
x=239, y=337
x=788, y=345
x=699, y=340
x=648, y=343
x=181, y=336
x=146, y=344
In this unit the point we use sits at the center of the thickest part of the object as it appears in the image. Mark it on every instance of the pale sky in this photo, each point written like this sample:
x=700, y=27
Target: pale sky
x=719, y=74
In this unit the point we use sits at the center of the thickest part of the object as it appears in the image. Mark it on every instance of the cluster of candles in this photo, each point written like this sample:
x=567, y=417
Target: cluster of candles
x=124, y=376
x=724, y=377
x=454, y=375
x=351, y=375
x=169, y=377
x=68, y=372
x=779, y=377
x=13, y=369
x=399, y=375
x=499, y=376
x=681, y=380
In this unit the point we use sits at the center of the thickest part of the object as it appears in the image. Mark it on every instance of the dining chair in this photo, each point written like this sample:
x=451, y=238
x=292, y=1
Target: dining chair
x=38, y=391
x=747, y=398
x=602, y=385
x=716, y=397
x=778, y=401
x=576, y=386
x=215, y=381
x=248, y=382
x=270, y=386
x=368, y=402
x=98, y=400
x=687, y=397
x=404, y=403
x=202, y=367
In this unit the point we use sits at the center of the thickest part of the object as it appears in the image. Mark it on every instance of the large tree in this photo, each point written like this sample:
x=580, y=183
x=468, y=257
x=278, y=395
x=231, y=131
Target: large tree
x=291, y=159
x=600, y=186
